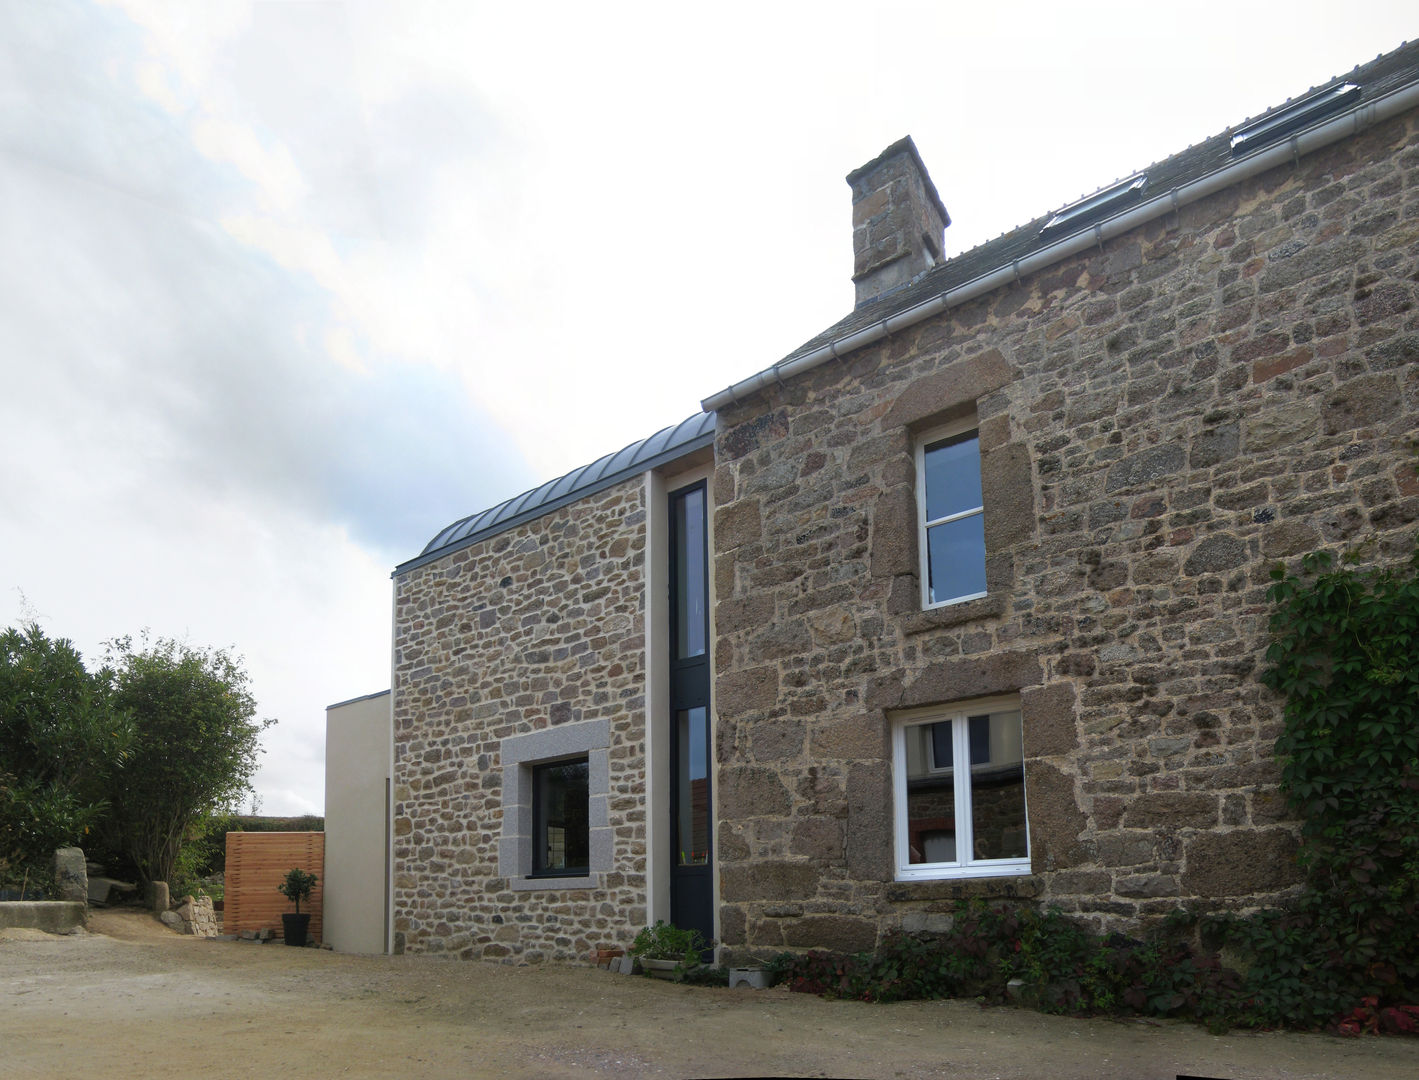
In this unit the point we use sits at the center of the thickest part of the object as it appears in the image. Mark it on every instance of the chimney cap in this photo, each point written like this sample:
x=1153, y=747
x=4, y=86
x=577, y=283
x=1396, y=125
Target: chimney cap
x=904, y=145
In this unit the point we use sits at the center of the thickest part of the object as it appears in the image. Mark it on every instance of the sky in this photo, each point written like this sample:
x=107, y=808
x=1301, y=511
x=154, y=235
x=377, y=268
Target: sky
x=286, y=287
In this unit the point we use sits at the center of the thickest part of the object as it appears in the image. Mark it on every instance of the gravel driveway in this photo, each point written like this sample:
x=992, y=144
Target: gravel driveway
x=129, y=997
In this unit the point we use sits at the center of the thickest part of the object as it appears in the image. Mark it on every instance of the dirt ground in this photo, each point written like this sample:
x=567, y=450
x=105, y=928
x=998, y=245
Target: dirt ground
x=130, y=997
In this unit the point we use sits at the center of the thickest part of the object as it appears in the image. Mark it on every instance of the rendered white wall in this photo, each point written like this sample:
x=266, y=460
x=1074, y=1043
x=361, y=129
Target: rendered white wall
x=357, y=772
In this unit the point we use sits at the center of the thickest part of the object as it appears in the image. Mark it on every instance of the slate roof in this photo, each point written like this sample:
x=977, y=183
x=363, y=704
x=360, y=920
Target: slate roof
x=664, y=446
x=1376, y=79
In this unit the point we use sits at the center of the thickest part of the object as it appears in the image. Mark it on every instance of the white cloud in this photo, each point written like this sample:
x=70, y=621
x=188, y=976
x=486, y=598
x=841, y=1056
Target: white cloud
x=289, y=287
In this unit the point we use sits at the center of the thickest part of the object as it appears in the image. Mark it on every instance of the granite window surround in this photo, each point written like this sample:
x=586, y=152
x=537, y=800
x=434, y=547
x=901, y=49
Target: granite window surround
x=590, y=739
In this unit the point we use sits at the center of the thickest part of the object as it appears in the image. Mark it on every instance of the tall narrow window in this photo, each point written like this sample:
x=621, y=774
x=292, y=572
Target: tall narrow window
x=951, y=517
x=560, y=819
x=959, y=780
x=691, y=793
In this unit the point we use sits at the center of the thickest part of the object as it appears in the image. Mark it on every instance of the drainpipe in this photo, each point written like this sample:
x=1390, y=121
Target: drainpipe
x=1350, y=123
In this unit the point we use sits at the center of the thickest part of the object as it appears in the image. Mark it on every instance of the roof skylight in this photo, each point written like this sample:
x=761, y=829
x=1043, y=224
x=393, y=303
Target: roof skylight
x=1294, y=117
x=1096, y=206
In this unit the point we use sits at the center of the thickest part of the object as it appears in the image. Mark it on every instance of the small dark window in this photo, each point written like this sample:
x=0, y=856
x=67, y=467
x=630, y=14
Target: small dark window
x=561, y=834
x=1294, y=117
x=1096, y=207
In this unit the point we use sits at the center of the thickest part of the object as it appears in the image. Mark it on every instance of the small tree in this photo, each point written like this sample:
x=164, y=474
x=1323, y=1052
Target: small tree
x=297, y=886
x=61, y=740
x=194, y=751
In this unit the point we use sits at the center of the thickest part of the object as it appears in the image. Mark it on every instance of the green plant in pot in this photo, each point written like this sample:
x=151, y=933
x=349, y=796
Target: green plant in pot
x=296, y=888
x=666, y=951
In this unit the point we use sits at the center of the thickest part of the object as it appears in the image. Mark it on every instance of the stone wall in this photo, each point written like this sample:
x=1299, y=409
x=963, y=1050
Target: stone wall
x=536, y=629
x=1160, y=422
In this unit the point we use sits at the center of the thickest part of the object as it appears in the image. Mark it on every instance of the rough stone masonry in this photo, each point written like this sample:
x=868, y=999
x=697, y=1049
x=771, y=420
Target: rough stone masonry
x=1161, y=420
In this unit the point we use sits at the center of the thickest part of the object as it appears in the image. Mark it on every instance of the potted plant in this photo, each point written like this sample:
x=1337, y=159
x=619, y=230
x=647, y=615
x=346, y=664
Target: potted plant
x=296, y=888
x=666, y=951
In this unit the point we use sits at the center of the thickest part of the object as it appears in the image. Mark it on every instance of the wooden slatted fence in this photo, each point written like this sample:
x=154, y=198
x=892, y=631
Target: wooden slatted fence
x=257, y=862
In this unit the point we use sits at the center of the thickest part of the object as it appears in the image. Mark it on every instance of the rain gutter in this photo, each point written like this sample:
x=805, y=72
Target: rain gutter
x=1303, y=142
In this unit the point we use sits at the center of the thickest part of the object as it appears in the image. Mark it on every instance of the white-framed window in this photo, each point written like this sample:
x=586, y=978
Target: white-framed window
x=950, y=515
x=958, y=783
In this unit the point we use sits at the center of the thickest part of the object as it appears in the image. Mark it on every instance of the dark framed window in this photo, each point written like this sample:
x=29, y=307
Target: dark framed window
x=561, y=835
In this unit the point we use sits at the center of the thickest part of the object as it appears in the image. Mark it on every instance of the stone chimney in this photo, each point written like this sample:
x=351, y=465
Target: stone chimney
x=898, y=222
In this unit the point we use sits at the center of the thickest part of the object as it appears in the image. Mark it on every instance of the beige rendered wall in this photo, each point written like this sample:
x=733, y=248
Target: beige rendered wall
x=357, y=757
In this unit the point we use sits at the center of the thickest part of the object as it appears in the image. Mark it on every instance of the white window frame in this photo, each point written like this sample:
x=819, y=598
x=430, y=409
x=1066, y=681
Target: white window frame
x=959, y=716
x=960, y=427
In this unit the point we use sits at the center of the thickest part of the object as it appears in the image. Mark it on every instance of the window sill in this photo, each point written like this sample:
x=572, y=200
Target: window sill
x=1024, y=887
x=955, y=614
x=548, y=884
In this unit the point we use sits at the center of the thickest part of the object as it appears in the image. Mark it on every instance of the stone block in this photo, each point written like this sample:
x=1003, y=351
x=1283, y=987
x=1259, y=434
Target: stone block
x=869, y=820
x=1242, y=862
x=1172, y=808
x=1047, y=716
x=1010, y=504
x=767, y=880
x=999, y=672
x=747, y=690
x=820, y=839
x=777, y=740
x=862, y=736
x=71, y=875
x=894, y=533
x=1056, y=822
x=1361, y=402
x=949, y=393
x=1148, y=468
x=1215, y=554
x=752, y=791
x=836, y=933
x=737, y=524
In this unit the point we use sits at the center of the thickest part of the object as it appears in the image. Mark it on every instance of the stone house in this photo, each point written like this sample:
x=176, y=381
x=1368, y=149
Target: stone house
x=965, y=597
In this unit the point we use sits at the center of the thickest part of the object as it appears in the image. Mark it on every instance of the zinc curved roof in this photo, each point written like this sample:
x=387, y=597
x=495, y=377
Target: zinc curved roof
x=664, y=446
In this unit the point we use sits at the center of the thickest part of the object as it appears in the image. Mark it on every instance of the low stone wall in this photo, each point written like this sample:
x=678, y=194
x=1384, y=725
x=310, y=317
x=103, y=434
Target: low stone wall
x=194, y=915
x=51, y=916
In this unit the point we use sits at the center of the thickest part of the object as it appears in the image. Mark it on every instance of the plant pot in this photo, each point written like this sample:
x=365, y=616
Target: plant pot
x=659, y=969
x=294, y=927
x=754, y=978
x=605, y=958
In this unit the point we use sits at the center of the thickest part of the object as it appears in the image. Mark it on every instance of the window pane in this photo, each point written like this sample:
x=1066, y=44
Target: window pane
x=690, y=578
x=931, y=794
x=560, y=811
x=692, y=814
x=952, y=476
x=956, y=558
x=998, y=791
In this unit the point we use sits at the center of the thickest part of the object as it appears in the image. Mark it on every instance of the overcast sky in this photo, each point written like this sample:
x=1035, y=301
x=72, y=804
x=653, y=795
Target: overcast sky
x=288, y=287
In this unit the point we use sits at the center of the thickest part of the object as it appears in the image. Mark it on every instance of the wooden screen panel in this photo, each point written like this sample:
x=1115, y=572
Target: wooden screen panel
x=256, y=864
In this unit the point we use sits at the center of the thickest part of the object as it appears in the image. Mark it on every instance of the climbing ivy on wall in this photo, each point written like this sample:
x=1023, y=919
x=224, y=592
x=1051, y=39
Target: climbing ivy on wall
x=1343, y=657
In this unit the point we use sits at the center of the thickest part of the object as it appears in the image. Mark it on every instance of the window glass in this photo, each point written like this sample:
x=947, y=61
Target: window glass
x=692, y=813
x=952, y=476
x=690, y=574
x=952, y=519
x=961, y=822
x=559, y=811
x=956, y=559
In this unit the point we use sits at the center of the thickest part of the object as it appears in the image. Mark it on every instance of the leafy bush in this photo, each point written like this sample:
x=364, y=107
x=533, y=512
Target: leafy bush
x=664, y=941
x=997, y=952
x=61, y=739
x=297, y=886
